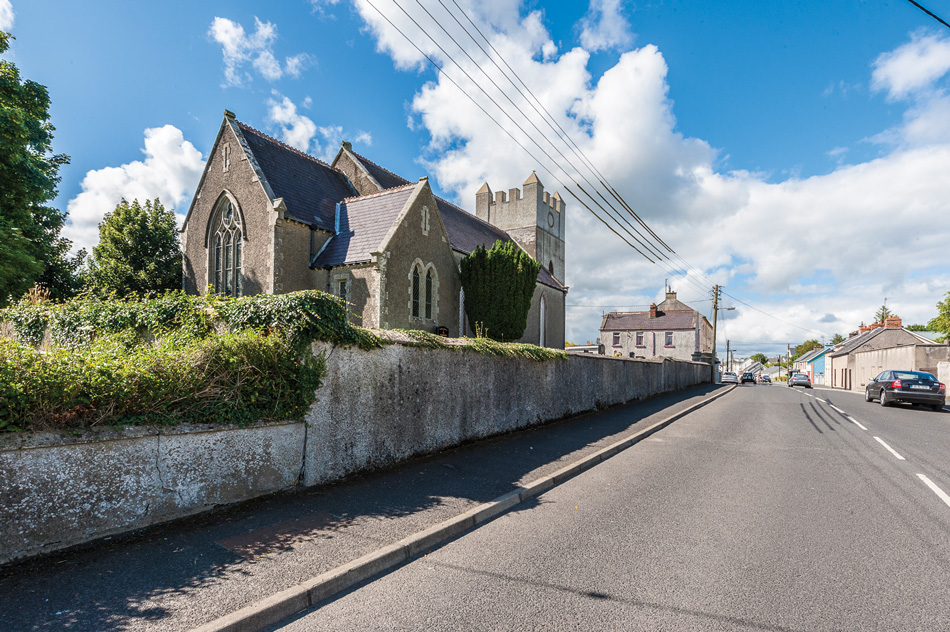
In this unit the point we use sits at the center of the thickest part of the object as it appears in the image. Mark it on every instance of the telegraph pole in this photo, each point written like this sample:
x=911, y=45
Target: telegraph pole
x=728, y=357
x=715, y=371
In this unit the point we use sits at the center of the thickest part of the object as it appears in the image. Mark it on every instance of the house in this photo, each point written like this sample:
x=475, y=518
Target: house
x=671, y=329
x=269, y=218
x=877, y=347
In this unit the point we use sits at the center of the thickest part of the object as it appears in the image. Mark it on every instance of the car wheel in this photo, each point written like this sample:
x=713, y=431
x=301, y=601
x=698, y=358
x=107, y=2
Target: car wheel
x=867, y=395
x=885, y=401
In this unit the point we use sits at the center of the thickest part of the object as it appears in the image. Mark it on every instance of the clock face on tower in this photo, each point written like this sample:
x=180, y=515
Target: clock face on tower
x=550, y=219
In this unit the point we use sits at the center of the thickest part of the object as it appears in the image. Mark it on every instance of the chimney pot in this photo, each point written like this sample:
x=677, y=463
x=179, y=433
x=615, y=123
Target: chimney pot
x=653, y=310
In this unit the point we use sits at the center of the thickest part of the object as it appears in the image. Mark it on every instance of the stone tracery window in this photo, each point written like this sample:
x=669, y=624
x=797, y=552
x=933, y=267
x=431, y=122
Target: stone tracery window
x=228, y=245
x=429, y=294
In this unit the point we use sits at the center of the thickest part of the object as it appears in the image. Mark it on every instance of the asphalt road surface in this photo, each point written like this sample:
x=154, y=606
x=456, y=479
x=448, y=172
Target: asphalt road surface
x=770, y=509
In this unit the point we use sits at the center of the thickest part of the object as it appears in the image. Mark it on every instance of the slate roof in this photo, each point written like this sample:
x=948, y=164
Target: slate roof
x=386, y=178
x=364, y=223
x=811, y=355
x=848, y=345
x=668, y=321
x=310, y=187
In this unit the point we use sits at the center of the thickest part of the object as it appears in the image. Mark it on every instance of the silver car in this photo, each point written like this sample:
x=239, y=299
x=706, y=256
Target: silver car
x=728, y=377
x=799, y=379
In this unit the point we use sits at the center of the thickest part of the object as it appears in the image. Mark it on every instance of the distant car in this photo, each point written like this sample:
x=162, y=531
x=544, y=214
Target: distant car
x=799, y=379
x=765, y=379
x=748, y=377
x=916, y=387
x=728, y=377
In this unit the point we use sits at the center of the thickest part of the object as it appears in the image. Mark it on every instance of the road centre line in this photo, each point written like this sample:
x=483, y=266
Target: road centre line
x=824, y=401
x=855, y=422
x=933, y=487
x=836, y=408
x=890, y=449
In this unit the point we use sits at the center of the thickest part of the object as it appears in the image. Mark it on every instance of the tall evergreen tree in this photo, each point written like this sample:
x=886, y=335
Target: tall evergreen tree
x=138, y=252
x=499, y=283
x=31, y=249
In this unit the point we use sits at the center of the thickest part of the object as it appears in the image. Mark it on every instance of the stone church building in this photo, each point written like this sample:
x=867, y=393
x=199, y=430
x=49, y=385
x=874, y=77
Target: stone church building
x=269, y=218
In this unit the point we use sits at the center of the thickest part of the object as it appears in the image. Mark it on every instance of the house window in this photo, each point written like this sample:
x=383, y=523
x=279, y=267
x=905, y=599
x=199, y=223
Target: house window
x=341, y=289
x=640, y=339
x=415, y=292
x=616, y=339
x=429, y=294
x=669, y=339
x=227, y=256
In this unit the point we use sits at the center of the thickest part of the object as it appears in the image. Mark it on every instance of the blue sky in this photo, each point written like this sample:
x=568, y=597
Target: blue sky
x=775, y=146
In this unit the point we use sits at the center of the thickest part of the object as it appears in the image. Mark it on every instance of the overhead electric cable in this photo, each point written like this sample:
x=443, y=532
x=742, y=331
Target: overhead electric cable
x=937, y=18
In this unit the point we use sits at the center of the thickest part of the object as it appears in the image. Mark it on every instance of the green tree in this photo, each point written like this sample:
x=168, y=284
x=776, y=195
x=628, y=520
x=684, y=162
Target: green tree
x=941, y=322
x=804, y=348
x=837, y=338
x=499, y=283
x=883, y=313
x=759, y=357
x=916, y=327
x=31, y=249
x=138, y=251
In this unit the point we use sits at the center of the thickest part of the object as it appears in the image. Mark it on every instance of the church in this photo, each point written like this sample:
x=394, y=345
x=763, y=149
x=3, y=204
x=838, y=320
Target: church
x=269, y=218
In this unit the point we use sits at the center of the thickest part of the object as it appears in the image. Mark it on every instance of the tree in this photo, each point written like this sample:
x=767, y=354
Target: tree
x=138, y=251
x=916, y=327
x=761, y=358
x=837, y=338
x=804, y=348
x=883, y=314
x=499, y=284
x=31, y=249
x=941, y=322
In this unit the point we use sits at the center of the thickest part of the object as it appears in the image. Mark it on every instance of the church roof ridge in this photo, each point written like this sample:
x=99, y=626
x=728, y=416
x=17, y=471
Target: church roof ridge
x=368, y=196
x=283, y=145
x=380, y=167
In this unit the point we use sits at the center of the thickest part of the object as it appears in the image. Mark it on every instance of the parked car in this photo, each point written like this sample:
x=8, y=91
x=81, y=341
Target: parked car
x=765, y=379
x=748, y=377
x=916, y=387
x=728, y=377
x=799, y=379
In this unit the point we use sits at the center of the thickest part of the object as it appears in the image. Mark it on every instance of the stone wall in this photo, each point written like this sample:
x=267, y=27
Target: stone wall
x=375, y=408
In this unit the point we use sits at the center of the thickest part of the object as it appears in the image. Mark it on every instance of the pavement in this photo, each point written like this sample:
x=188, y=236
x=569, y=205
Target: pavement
x=247, y=566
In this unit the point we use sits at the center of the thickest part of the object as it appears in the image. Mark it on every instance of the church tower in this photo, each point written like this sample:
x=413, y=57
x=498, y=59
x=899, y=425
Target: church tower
x=534, y=219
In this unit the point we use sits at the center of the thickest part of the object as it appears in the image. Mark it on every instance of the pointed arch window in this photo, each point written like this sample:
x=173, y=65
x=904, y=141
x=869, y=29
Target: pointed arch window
x=415, y=291
x=429, y=294
x=228, y=255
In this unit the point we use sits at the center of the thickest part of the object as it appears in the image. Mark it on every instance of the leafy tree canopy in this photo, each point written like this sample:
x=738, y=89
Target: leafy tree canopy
x=916, y=327
x=941, y=322
x=837, y=338
x=138, y=252
x=499, y=283
x=31, y=249
x=804, y=348
x=759, y=357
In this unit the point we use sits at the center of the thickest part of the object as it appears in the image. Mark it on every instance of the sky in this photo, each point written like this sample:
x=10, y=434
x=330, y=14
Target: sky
x=797, y=154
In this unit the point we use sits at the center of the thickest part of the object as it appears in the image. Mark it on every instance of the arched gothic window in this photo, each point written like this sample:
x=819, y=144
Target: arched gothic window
x=429, y=294
x=542, y=326
x=227, y=256
x=415, y=291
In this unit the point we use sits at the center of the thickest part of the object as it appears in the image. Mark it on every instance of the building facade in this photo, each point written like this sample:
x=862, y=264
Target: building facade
x=269, y=218
x=671, y=329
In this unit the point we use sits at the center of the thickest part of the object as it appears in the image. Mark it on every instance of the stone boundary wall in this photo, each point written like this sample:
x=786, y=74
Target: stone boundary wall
x=375, y=408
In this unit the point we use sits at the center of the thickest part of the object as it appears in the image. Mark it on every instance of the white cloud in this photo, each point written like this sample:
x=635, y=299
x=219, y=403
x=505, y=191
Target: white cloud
x=299, y=131
x=604, y=27
x=6, y=16
x=170, y=171
x=912, y=67
x=239, y=49
x=799, y=249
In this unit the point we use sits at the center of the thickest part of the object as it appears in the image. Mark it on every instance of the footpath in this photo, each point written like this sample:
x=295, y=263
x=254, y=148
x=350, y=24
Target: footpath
x=192, y=572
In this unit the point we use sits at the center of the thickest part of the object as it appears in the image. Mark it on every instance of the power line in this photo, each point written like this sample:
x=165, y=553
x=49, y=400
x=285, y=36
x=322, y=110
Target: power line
x=937, y=18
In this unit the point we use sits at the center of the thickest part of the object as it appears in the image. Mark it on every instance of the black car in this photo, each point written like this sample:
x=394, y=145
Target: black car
x=916, y=387
x=748, y=377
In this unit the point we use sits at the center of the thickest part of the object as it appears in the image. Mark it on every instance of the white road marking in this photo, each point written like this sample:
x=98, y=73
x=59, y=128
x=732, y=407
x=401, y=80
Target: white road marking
x=821, y=400
x=890, y=449
x=939, y=492
x=856, y=422
x=836, y=408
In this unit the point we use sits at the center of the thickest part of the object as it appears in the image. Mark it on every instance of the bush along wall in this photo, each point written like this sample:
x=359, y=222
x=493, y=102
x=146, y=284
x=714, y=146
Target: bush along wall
x=167, y=360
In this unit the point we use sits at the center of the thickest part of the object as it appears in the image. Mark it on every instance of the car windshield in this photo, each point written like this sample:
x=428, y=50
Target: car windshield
x=729, y=373
x=800, y=376
x=914, y=375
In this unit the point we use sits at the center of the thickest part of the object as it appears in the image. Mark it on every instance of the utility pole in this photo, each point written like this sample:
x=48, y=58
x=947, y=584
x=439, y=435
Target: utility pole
x=728, y=357
x=788, y=359
x=715, y=314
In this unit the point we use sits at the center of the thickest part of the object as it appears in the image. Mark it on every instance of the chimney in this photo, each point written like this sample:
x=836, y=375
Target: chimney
x=863, y=328
x=894, y=322
x=670, y=295
x=852, y=334
x=653, y=310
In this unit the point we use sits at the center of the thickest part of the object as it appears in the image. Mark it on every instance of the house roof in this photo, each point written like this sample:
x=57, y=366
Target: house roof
x=811, y=355
x=364, y=223
x=310, y=187
x=673, y=304
x=623, y=321
x=465, y=231
x=853, y=343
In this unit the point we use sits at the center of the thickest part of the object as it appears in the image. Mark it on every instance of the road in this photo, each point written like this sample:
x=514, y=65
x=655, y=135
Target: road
x=769, y=509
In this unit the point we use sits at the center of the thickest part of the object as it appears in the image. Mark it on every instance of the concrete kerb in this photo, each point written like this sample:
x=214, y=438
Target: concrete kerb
x=291, y=601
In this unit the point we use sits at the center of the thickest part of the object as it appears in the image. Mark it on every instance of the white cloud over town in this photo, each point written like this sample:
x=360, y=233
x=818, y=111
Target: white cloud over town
x=242, y=49
x=300, y=132
x=834, y=244
x=604, y=27
x=170, y=171
x=6, y=15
